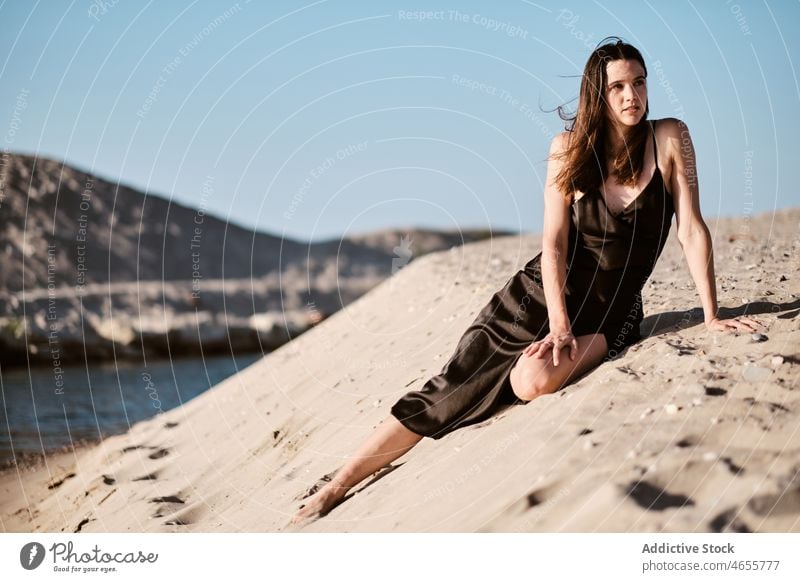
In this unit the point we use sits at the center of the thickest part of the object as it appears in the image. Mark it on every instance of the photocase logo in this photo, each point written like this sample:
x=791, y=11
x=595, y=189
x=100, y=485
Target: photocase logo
x=402, y=256
x=31, y=555
x=403, y=252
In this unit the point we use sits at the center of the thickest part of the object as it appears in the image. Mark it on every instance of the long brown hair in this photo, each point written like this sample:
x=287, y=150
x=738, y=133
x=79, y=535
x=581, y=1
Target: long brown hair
x=586, y=155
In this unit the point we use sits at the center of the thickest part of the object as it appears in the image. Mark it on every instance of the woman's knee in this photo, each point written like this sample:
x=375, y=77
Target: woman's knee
x=529, y=382
x=532, y=377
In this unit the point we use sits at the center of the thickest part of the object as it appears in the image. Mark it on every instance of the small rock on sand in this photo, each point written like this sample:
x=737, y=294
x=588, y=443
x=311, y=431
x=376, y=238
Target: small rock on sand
x=695, y=389
x=755, y=373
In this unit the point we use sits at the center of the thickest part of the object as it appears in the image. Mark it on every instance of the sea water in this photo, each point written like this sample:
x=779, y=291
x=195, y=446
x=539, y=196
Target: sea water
x=98, y=400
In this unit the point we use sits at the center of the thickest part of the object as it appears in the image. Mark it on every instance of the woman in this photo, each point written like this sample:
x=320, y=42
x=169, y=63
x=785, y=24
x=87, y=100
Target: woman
x=614, y=181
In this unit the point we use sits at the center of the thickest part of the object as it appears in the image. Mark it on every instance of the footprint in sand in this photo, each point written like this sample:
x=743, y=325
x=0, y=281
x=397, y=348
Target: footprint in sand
x=732, y=467
x=542, y=496
x=687, y=441
x=82, y=523
x=169, y=505
x=149, y=477
x=728, y=522
x=535, y=498
x=167, y=499
x=528, y=511
x=784, y=503
x=783, y=506
x=156, y=454
x=59, y=482
x=773, y=407
x=653, y=498
x=682, y=348
x=187, y=516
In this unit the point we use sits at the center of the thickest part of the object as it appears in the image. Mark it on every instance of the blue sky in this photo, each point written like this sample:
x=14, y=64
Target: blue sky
x=322, y=119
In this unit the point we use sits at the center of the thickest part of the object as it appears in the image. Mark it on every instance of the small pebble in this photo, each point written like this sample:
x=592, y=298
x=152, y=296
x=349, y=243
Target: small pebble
x=635, y=451
x=776, y=360
x=755, y=374
x=589, y=444
x=759, y=337
x=710, y=456
x=671, y=409
x=695, y=389
x=377, y=403
x=697, y=401
x=647, y=412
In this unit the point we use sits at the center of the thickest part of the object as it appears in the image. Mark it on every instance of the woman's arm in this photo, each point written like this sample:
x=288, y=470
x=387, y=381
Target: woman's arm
x=693, y=234
x=554, y=241
x=554, y=265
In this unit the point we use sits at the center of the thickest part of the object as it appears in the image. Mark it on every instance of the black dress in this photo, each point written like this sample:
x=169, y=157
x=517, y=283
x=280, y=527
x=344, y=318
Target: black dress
x=609, y=260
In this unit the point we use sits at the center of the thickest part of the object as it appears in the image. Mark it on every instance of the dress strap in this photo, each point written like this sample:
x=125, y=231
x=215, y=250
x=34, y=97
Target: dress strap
x=655, y=151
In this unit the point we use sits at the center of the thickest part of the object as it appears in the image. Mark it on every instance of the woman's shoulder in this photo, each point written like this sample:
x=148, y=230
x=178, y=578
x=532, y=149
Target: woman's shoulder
x=672, y=135
x=669, y=127
x=560, y=142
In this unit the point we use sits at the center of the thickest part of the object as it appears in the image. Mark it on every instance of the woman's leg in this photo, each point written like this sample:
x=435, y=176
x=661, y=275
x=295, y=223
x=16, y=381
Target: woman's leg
x=389, y=441
x=532, y=376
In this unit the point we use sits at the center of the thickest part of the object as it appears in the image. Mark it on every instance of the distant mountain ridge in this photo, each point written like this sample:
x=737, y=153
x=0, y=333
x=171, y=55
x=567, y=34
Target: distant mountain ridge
x=77, y=240
x=121, y=234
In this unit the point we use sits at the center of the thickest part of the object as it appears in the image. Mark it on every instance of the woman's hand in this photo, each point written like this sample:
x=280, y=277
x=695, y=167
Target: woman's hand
x=741, y=323
x=555, y=340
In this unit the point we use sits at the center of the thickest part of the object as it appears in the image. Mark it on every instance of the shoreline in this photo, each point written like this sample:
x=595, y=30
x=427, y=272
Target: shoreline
x=88, y=416
x=30, y=461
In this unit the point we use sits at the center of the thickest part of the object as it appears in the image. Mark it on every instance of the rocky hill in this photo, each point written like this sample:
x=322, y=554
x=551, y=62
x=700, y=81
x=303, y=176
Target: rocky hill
x=94, y=265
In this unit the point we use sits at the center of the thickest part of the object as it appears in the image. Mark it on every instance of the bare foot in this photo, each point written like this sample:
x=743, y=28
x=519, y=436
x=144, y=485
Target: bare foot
x=320, y=503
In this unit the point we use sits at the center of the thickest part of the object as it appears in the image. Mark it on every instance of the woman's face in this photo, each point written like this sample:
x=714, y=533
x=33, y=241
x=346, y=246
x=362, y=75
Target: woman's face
x=626, y=93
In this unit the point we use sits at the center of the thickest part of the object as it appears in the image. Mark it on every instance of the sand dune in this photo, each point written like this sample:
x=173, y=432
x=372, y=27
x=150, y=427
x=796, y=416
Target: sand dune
x=687, y=431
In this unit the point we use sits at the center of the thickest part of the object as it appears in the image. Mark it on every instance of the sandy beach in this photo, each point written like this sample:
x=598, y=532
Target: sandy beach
x=687, y=431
